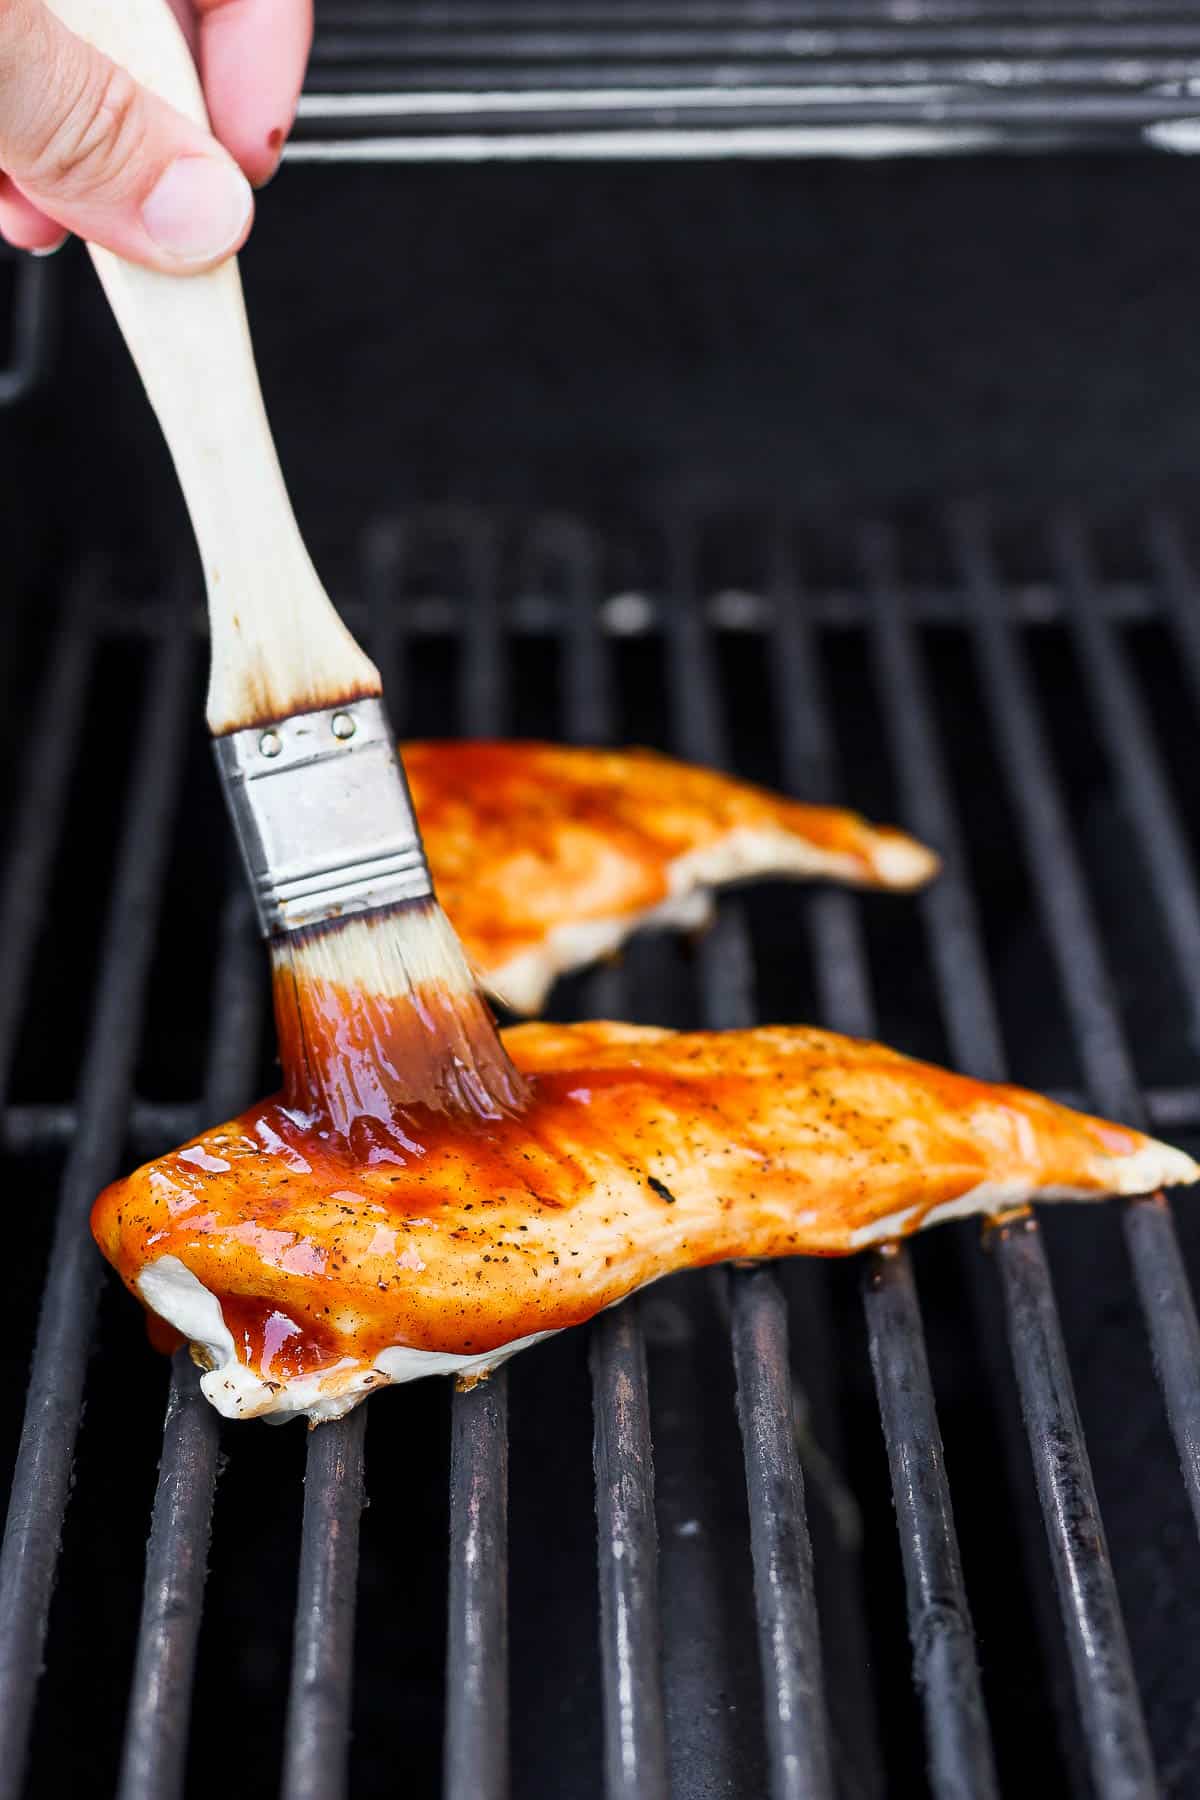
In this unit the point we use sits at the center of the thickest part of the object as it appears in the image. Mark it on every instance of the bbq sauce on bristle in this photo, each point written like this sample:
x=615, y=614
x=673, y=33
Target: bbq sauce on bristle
x=381, y=1014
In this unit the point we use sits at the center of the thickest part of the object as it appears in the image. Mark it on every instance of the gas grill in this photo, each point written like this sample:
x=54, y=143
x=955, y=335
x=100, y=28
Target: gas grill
x=922, y=1521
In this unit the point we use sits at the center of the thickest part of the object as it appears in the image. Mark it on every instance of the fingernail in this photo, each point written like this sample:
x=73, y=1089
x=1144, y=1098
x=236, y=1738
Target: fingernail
x=198, y=209
x=51, y=249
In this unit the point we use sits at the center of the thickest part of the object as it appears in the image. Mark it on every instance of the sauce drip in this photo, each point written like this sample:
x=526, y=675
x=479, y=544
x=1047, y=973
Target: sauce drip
x=273, y=1343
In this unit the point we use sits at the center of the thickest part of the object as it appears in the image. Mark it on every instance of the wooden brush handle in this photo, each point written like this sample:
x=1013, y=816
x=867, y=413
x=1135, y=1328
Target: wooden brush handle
x=278, y=646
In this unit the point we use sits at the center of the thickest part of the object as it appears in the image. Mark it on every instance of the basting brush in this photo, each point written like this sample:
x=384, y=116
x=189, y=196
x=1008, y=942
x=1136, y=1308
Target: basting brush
x=376, y=1005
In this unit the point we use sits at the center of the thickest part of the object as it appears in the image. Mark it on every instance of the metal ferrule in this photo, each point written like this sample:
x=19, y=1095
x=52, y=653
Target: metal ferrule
x=323, y=816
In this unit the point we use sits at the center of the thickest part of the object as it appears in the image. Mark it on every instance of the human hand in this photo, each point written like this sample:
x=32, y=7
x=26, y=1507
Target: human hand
x=83, y=148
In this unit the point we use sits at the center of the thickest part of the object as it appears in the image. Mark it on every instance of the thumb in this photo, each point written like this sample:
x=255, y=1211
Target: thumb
x=99, y=155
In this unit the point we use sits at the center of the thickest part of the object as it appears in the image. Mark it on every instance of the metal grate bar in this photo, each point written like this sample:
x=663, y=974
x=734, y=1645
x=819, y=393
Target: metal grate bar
x=784, y=1592
x=1177, y=582
x=51, y=1125
x=477, y=1752
x=1129, y=743
x=507, y=38
x=172, y=1602
x=483, y=680
x=1117, y=1742
x=809, y=769
x=635, y=1745
x=29, y=348
x=237, y=1019
x=1170, y=1310
x=1074, y=936
x=38, y=825
x=41, y=1478
x=945, y=1666
x=318, y=1717
x=642, y=612
x=788, y=1629
x=156, y=1731
x=434, y=15
x=477, y=1647
x=1118, y=1746
x=635, y=1734
x=386, y=621
x=422, y=108
x=671, y=67
x=588, y=701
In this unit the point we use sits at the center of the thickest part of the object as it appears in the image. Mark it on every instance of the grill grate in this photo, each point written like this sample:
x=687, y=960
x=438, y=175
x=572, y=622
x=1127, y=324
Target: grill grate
x=624, y=626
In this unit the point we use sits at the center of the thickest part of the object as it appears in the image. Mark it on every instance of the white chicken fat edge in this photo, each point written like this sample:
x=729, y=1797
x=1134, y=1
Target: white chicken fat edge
x=748, y=851
x=172, y=1291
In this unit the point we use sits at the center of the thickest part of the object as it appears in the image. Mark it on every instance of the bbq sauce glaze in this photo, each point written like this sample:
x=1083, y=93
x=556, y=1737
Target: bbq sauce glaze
x=638, y=1152
x=329, y=1153
x=347, y=1061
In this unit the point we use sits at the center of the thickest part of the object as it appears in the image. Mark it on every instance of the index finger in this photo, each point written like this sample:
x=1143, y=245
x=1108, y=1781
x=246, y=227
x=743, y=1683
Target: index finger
x=252, y=56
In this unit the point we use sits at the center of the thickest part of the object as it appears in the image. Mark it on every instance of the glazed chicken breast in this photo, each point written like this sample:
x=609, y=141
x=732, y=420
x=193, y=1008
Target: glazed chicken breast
x=309, y=1268
x=547, y=857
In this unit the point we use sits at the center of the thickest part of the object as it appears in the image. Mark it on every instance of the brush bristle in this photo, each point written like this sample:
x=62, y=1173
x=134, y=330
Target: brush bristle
x=380, y=1013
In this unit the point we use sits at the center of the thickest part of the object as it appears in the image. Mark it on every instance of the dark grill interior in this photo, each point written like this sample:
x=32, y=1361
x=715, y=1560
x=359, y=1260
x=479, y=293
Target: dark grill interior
x=592, y=1575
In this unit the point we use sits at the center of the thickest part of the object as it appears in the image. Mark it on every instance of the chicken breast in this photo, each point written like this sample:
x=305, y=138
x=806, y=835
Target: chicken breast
x=309, y=1269
x=584, y=847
